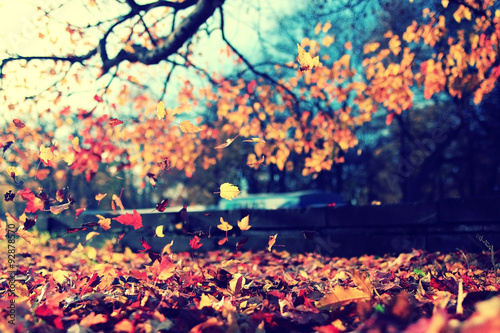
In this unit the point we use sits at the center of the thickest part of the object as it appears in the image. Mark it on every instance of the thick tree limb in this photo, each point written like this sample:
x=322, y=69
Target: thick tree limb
x=171, y=43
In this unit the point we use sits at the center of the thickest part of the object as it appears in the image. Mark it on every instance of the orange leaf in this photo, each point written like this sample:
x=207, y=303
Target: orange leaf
x=100, y=196
x=348, y=45
x=272, y=240
x=104, y=222
x=187, y=127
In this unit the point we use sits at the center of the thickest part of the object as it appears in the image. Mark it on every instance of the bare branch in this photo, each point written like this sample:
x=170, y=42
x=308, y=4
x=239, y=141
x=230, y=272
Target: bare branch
x=171, y=43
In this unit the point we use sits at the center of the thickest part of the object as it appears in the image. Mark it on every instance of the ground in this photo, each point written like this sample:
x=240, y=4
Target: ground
x=62, y=287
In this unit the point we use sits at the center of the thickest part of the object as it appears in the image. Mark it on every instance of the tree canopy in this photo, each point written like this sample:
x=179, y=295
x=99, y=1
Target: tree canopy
x=144, y=94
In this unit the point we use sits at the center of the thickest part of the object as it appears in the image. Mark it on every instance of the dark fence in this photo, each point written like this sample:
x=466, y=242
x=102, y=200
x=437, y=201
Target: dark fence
x=446, y=225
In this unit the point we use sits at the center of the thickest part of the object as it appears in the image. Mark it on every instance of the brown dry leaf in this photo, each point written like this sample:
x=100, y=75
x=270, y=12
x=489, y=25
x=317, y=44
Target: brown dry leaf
x=340, y=296
x=362, y=282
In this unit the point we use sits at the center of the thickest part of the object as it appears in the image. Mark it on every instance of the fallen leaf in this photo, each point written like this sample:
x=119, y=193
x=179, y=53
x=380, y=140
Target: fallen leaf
x=341, y=296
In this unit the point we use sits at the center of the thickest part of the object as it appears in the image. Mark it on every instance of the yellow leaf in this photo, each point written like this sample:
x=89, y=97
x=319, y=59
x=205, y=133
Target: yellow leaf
x=46, y=154
x=159, y=231
x=224, y=226
x=187, y=127
x=160, y=110
x=181, y=109
x=229, y=191
x=305, y=60
x=69, y=158
x=445, y=3
x=257, y=140
x=91, y=235
x=60, y=276
x=26, y=235
x=243, y=224
x=76, y=143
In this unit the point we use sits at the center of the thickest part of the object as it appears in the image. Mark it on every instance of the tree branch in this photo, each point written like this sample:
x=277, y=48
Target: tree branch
x=171, y=43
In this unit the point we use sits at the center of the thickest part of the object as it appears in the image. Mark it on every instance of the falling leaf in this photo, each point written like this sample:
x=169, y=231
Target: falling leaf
x=18, y=123
x=116, y=201
x=227, y=143
x=6, y=146
x=100, y=196
x=222, y=241
x=159, y=231
x=134, y=219
x=160, y=110
x=224, y=226
x=26, y=235
x=115, y=122
x=256, y=140
x=104, y=222
x=229, y=191
x=46, y=154
x=305, y=60
x=145, y=245
x=167, y=248
x=243, y=224
x=272, y=240
x=187, y=127
x=195, y=243
x=91, y=235
x=58, y=209
x=162, y=205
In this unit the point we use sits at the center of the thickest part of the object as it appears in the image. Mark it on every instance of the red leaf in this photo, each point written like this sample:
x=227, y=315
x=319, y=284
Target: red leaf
x=389, y=118
x=18, y=123
x=251, y=86
x=162, y=205
x=195, y=243
x=97, y=98
x=145, y=245
x=134, y=219
x=79, y=211
x=115, y=122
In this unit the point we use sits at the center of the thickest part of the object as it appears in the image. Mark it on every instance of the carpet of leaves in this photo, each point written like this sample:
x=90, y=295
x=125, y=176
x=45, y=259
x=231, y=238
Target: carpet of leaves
x=63, y=287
